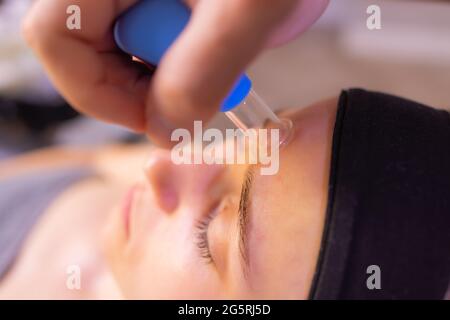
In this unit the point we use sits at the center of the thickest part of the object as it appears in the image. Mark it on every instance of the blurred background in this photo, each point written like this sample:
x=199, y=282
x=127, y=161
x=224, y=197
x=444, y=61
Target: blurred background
x=409, y=57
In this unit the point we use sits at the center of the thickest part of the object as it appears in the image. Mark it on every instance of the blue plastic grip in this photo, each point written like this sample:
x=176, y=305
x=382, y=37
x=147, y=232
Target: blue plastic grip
x=149, y=28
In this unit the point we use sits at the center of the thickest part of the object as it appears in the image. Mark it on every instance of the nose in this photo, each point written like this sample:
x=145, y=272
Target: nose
x=173, y=183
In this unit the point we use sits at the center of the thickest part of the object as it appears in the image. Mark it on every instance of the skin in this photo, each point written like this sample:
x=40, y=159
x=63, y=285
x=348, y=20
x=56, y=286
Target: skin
x=144, y=247
x=100, y=81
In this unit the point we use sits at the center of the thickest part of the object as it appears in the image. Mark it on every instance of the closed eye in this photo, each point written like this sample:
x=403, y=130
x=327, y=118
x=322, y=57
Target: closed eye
x=201, y=239
x=202, y=226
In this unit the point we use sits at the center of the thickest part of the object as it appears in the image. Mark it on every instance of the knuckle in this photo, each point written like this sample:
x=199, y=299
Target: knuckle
x=32, y=28
x=173, y=91
x=28, y=29
x=180, y=101
x=268, y=4
x=36, y=27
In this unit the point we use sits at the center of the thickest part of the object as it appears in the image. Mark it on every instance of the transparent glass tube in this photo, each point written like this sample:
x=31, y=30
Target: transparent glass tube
x=254, y=113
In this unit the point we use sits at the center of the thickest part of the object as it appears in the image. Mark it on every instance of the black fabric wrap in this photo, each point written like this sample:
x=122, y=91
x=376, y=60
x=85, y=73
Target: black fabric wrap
x=388, y=201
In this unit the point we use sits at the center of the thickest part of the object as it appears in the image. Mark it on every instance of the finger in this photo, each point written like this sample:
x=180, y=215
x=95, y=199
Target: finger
x=303, y=15
x=50, y=16
x=201, y=67
x=84, y=64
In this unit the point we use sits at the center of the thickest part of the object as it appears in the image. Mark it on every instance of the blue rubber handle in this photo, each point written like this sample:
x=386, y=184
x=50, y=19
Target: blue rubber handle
x=149, y=28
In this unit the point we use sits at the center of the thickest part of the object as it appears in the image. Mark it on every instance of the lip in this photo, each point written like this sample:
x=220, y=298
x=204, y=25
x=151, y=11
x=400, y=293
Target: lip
x=127, y=205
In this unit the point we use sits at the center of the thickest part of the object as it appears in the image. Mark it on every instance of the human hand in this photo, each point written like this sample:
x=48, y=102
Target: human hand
x=195, y=75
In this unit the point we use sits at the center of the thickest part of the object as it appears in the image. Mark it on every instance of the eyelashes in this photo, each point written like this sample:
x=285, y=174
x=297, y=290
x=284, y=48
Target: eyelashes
x=201, y=238
x=201, y=232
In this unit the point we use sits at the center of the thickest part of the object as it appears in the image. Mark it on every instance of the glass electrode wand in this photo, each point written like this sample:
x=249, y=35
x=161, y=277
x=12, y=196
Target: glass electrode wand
x=253, y=113
x=148, y=29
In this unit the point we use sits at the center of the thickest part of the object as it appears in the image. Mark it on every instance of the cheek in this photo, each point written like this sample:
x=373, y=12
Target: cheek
x=113, y=239
x=163, y=263
x=153, y=263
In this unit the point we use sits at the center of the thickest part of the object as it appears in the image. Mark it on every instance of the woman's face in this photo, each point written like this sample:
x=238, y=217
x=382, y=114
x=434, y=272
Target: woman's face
x=226, y=232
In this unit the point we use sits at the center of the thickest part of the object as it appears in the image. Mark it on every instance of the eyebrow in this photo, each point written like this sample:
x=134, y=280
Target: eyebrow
x=244, y=220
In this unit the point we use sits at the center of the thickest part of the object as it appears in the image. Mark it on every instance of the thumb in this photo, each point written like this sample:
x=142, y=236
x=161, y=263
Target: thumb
x=201, y=67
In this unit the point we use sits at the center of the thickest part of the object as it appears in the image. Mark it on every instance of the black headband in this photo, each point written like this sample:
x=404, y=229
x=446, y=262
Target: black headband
x=387, y=232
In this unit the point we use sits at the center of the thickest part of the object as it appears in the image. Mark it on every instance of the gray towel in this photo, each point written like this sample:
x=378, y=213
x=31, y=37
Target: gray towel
x=23, y=199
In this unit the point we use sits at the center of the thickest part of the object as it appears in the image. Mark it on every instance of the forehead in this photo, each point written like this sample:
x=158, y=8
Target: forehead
x=288, y=209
